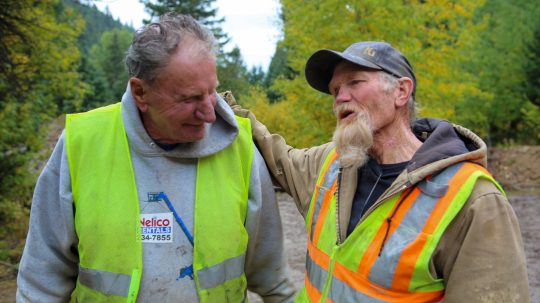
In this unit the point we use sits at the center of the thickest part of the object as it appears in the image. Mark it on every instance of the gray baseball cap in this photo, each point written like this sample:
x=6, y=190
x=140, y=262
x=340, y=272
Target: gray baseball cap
x=374, y=55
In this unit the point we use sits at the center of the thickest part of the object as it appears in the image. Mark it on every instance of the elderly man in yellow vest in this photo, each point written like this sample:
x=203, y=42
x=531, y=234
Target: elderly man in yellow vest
x=159, y=198
x=397, y=209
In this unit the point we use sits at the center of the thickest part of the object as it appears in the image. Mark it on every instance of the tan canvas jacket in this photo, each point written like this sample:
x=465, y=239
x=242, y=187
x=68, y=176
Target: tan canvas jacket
x=480, y=255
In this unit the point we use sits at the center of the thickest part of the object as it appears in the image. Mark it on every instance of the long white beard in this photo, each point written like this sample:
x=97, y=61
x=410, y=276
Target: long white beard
x=353, y=139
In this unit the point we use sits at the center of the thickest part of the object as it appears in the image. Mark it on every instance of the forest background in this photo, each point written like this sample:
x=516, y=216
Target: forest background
x=477, y=64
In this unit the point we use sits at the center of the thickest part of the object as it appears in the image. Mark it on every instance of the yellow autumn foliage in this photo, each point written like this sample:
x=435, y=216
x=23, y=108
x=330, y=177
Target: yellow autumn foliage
x=429, y=33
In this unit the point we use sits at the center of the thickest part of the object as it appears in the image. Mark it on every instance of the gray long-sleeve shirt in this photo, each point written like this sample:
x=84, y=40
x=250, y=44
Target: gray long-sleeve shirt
x=49, y=266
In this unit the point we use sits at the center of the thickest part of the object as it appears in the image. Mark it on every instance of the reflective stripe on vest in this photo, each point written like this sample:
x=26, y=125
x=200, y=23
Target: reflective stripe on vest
x=386, y=258
x=324, y=184
x=111, y=271
x=106, y=282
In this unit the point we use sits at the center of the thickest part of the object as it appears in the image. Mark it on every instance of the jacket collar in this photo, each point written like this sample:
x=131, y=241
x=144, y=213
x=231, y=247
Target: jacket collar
x=444, y=144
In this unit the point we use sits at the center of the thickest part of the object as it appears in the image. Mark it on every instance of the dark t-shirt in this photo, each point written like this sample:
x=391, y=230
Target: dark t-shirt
x=373, y=180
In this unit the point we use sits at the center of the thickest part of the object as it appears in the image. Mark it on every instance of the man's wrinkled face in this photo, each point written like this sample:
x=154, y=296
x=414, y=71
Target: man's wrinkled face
x=354, y=89
x=362, y=107
x=181, y=101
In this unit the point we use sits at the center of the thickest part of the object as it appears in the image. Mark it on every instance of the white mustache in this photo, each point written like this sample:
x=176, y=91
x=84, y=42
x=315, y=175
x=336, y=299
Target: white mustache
x=340, y=108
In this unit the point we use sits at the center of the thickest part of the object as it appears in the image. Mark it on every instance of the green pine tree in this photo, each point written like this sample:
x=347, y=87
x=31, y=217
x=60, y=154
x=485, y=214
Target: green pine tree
x=201, y=10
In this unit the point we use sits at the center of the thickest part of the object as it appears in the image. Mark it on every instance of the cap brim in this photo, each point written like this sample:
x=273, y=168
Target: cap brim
x=320, y=67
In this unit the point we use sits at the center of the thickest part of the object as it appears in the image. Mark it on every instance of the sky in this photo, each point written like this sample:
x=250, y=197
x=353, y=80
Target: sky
x=252, y=25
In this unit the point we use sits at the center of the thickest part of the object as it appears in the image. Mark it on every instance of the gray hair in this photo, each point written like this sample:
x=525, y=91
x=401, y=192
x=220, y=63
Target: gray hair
x=154, y=44
x=388, y=83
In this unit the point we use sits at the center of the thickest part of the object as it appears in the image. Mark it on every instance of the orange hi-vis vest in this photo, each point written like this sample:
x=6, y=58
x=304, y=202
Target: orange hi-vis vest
x=386, y=258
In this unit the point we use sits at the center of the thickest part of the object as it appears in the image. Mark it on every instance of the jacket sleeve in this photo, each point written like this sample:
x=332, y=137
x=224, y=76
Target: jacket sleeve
x=481, y=255
x=294, y=170
x=267, y=271
x=49, y=264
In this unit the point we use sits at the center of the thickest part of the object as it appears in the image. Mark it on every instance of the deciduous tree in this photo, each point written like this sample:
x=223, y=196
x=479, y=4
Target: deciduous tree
x=38, y=81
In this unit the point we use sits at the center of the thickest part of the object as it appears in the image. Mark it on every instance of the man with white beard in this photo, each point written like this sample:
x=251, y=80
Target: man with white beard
x=397, y=209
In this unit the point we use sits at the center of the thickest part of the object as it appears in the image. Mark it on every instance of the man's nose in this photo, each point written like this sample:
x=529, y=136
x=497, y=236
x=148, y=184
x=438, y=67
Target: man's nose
x=343, y=95
x=205, y=110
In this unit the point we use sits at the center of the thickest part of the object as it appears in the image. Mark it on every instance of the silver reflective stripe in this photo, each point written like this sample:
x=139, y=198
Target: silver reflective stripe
x=383, y=270
x=329, y=179
x=341, y=292
x=316, y=274
x=433, y=189
x=108, y=283
x=211, y=277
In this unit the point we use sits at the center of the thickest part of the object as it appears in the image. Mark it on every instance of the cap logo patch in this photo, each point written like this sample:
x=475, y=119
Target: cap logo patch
x=369, y=51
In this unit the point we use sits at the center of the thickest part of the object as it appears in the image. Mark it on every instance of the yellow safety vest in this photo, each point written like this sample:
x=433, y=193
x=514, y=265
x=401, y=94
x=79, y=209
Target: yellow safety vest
x=386, y=258
x=107, y=215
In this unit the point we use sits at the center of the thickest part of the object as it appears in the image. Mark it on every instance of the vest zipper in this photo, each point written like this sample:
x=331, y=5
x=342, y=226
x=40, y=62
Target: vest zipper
x=338, y=229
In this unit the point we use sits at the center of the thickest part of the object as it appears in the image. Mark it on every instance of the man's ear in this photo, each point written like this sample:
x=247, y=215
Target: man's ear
x=406, y=86
x=137, y=92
